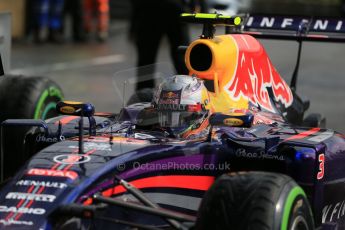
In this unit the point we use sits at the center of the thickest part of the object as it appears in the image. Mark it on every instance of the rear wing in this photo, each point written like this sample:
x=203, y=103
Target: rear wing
x=300, y=28
x=294, y=28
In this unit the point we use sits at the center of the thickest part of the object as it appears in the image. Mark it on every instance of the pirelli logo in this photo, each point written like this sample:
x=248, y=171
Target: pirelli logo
x=30, y=196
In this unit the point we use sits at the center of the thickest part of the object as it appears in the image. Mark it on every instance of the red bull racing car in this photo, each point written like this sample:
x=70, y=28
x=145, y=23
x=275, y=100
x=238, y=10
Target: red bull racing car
x=227, y=146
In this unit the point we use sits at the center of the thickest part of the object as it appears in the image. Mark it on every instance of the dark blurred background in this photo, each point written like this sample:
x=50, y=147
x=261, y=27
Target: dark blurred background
x=121, y=8
x=85, y=68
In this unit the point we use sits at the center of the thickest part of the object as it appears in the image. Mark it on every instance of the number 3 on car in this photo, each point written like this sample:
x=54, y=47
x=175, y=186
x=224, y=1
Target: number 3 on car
x=321, y=172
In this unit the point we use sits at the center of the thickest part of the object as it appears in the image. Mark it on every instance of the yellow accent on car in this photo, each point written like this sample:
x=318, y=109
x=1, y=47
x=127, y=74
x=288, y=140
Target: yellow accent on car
x=203, y=15
x=237, y=21
x=233, y=122
x=73, y=102
x=67, y=109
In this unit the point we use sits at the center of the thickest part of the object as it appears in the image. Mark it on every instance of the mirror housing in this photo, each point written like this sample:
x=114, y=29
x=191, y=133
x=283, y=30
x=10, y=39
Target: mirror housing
x=75, y=108
x=233, y=119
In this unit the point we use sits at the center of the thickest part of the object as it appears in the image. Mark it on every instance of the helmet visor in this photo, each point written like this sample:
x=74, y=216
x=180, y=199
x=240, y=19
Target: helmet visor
x=178, y=119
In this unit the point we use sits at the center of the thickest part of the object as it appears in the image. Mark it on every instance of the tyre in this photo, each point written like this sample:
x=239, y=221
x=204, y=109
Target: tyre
x=255, y=200
x=24, y=98
x=142, y=95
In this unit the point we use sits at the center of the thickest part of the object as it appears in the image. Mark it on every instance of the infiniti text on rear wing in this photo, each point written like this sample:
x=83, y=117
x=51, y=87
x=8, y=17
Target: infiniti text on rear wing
x=295, y=27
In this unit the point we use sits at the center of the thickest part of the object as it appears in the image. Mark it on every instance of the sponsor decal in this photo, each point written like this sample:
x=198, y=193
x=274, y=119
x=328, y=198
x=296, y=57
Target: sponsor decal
x=170, y=94
x=255, y=75
x=23, y=210
x=333, y=212
x=258, y=155
x=30, y=196
x=321, y=172
x=15, y=222
x=42, y=138
x=71, y=159
x=233, y=122
x=174, y=107
x=292, y=23
x=53, y=173
x=46, y=184
x=99, y=146
x=67, y=109
x=170, y=97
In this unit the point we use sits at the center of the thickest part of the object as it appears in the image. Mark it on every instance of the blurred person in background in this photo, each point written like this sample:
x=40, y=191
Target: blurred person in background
x=75, y=9
x=46, y=20
x=97, y=12
x=150, y=21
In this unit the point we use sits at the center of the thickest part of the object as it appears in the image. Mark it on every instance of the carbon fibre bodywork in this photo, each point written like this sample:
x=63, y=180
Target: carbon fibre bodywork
x=173, y=173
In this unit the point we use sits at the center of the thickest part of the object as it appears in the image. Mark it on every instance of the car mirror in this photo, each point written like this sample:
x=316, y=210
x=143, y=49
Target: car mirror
x=75, y=108
x=234, y=119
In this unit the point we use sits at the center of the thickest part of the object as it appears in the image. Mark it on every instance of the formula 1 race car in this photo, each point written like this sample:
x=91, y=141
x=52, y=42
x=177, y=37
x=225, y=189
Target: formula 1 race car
x=225, y=147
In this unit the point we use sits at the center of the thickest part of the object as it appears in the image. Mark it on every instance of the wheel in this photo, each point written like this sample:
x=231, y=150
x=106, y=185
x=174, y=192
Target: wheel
x=24, y=98
x=68, y=223
x=143, y=95
x=255, y=200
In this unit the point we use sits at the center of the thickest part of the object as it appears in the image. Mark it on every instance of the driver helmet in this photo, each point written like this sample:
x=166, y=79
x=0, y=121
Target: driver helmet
x=183, y=106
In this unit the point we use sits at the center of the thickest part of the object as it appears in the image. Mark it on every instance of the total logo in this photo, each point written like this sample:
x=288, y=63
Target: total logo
x=30, y=196
x=52, y=173
x=33, y=211
x=71, y=159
